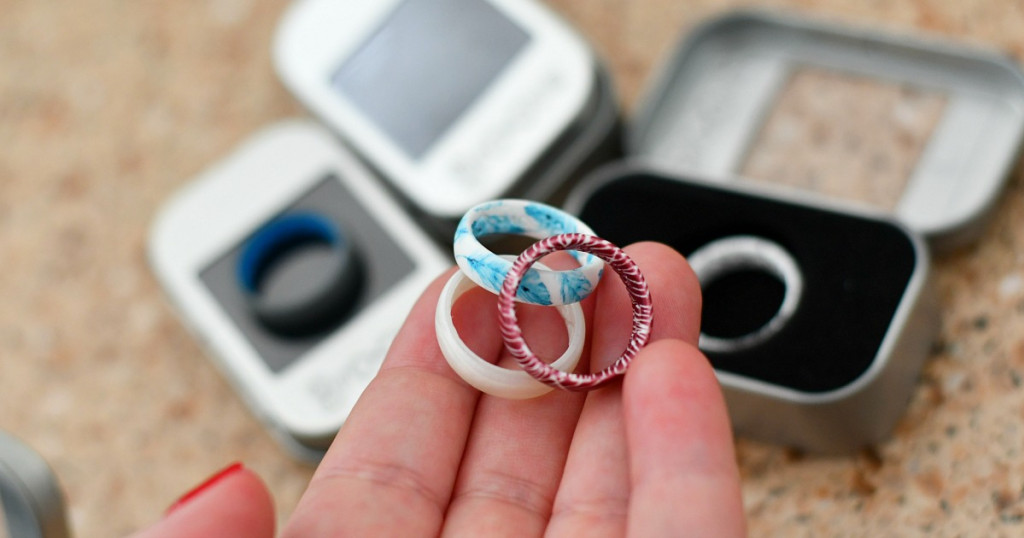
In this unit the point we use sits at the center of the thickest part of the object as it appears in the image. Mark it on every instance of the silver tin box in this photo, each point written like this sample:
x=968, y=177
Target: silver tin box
x=838, y=374
x=710, y=110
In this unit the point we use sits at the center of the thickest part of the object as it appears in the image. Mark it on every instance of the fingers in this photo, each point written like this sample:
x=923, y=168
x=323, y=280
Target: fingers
x=594, y=496
x=232, y=504
x=680, y=455
x=391, y=469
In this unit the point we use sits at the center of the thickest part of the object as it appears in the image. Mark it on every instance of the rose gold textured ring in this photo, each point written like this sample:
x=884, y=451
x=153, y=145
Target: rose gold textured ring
x=628, y=271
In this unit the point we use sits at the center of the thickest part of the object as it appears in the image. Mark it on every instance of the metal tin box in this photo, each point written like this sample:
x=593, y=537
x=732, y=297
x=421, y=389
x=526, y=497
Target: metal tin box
x=835, y=375
x=508, y=151
x=31, y=501
x=959, y=112
x=232, y=243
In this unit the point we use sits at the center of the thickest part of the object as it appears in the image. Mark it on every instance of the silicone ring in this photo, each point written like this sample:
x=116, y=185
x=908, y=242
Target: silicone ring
x=636, y=286
x=322, y=301
x=491, y=378
x=531, y=219
x=740, y=252
x=280, y=232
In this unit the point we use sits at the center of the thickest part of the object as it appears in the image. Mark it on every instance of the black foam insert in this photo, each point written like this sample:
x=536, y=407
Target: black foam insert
x=856, y=269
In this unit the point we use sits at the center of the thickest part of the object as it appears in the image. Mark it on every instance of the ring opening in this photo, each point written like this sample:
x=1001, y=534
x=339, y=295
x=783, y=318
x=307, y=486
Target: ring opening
x=277, y=242
x=548, y=345
x=535, y=317
x=740, y=302
x=509, y=244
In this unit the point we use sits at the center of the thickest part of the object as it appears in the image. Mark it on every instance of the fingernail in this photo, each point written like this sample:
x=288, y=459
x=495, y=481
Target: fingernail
x=207, y=484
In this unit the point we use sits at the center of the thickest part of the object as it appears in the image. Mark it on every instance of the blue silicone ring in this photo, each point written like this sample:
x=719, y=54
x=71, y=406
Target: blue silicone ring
x=277, y=234
x=531, y=219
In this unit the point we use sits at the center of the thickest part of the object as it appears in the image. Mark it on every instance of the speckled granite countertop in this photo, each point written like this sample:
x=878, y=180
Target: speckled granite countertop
x=108, y=107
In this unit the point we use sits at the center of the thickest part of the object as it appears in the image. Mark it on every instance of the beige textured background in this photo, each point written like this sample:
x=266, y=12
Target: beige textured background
x=107, y=107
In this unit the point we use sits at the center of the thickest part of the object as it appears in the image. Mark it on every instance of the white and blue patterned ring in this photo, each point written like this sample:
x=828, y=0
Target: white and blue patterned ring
x=530, y=219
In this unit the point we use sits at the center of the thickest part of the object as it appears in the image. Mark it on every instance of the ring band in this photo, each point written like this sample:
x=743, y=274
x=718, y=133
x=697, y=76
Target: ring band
x=744, y=252
x=323, y=300
x=491, y=378
x=532, y=219
x=635, y=284
x=276, y=235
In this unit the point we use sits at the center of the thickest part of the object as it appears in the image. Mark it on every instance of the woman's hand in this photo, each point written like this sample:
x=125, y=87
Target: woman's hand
x=424, y=454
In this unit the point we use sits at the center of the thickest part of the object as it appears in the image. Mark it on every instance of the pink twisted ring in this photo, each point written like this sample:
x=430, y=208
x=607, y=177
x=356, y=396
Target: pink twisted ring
x=628, y=271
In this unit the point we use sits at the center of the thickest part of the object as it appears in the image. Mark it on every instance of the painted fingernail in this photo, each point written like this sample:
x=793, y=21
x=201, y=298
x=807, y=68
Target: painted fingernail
x=207, y=484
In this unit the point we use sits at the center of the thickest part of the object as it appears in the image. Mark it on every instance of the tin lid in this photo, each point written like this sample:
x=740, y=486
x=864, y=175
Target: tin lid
x=925, y=130
x=594, y=138
x=31, y=501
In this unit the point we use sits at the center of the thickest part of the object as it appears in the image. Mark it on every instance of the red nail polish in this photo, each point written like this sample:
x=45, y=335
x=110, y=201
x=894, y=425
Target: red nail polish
x=207, y=484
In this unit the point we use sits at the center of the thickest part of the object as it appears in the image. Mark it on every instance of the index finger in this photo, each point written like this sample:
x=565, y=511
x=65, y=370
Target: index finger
x=394, y=462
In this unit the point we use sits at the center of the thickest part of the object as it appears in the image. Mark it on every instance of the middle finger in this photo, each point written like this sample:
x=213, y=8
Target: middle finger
x=516, y=450
x=593, y=497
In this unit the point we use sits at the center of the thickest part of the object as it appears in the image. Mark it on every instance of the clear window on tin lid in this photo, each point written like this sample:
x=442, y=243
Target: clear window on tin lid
x=842, y=135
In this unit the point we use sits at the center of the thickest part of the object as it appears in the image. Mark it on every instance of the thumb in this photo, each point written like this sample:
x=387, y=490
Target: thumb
x=232, y=503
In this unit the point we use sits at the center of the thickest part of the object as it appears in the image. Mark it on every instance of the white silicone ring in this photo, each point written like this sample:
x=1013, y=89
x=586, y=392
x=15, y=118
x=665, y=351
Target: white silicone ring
x=491, y=378
x=729, y=254
x=530, y=219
